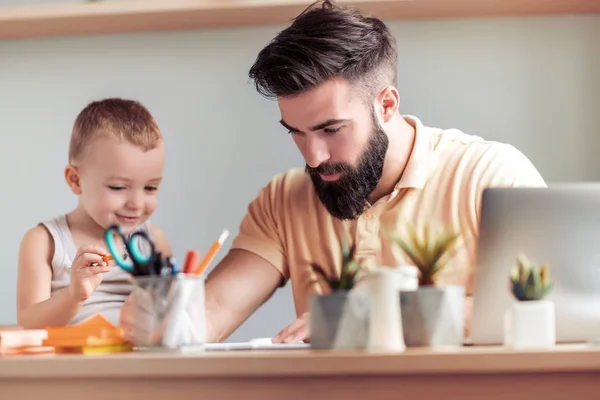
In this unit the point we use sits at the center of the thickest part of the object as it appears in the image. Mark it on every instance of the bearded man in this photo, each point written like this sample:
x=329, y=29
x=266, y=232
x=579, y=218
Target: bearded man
x=368, y=170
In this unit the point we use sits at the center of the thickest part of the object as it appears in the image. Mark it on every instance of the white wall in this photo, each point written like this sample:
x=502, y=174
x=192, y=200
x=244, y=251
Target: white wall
x=534, y=83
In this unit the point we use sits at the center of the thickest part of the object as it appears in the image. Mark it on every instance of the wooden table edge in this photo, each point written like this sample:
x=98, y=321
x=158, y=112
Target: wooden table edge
x=296, y=363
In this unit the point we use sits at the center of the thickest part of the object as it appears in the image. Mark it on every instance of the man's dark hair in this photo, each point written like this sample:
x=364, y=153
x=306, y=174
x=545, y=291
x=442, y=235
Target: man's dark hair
x=323, y=43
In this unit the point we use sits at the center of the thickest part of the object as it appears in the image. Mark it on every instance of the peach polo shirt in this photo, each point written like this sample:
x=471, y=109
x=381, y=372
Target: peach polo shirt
x=443, y=181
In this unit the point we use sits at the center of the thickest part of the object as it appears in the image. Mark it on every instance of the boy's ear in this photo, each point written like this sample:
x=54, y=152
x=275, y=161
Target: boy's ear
x=72, y=178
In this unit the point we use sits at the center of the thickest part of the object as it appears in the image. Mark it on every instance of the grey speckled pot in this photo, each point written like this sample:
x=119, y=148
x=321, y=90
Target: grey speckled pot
x=433, y=316
x=339, y=320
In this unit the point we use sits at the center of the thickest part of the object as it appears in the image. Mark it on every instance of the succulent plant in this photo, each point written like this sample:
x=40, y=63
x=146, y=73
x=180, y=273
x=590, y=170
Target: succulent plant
x=427, y=250
x=350, y=267
x=528, y=282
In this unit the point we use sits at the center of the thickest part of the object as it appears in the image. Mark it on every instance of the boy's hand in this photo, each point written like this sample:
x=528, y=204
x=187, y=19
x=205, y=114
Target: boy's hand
x=87, y=271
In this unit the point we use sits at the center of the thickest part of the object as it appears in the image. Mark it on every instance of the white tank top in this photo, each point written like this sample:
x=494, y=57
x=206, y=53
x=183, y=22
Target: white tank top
x=112, y=292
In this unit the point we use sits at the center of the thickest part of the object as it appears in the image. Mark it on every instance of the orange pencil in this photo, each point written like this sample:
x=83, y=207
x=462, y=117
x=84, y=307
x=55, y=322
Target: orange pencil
x=108, y=257
x=216, y=246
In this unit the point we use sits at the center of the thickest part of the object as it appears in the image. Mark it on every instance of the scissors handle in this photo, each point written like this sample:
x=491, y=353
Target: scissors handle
x=137, y=262
x=122, y=261
x=136, y=252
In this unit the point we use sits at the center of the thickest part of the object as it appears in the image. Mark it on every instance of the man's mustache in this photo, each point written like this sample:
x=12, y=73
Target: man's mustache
x=328, y=169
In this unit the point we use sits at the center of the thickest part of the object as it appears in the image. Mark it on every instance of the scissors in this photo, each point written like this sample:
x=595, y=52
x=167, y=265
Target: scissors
x=134, y=261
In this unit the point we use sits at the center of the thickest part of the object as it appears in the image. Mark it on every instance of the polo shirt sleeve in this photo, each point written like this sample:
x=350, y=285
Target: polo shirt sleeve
x=501, y=165
x=495, y=165
x=259, y=229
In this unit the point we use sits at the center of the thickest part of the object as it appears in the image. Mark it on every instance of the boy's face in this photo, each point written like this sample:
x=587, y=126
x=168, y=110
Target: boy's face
x=118, y=181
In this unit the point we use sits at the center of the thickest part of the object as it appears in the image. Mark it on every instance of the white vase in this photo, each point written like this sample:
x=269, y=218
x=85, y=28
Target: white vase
x=530, y=325
x=384, y=285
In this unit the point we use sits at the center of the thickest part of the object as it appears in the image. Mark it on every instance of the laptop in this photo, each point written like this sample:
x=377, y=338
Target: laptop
x=558, y=225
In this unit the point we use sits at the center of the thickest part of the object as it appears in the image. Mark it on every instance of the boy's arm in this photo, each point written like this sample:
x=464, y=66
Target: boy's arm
x=35, y=308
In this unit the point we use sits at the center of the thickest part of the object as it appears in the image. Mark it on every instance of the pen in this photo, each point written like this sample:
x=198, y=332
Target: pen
x=216, y=246
x=192, y=258
x=172, y=262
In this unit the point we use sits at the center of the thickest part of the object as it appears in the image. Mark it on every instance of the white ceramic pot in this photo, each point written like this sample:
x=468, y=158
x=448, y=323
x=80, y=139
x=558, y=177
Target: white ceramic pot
x=383, y=286
x=530, y=324
x=434, y=316
x=339, y=321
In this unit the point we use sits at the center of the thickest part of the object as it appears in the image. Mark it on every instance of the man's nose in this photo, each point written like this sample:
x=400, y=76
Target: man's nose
x=316, y=151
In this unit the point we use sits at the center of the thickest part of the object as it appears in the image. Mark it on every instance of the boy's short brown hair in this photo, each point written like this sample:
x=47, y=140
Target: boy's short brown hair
x=127, y=119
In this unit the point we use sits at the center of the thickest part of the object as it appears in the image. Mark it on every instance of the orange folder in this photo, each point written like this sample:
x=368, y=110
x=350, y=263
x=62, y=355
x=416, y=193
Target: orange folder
x=95, y=331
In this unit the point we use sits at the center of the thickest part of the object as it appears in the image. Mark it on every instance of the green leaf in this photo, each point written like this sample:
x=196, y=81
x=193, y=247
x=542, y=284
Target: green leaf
x=427, y=251
x=544, y=277
x=517, y=290
x=547, y=288
x=320, y=271
x=532, y=286
x=347, y=272
x=345, y=251
x=529, y=283
x=335, y=284
x=410, y=252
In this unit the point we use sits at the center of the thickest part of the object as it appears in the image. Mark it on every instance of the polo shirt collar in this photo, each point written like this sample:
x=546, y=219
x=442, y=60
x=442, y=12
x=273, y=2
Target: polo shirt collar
x=419, y=162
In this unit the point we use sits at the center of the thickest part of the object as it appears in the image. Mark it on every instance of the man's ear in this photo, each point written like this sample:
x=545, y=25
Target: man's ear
x=72, y=178
x=388, y=102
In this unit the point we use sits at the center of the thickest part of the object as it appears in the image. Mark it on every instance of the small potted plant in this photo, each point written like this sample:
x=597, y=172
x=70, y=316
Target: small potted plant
x=339, y=317
x=433, y=315
x=530, y=320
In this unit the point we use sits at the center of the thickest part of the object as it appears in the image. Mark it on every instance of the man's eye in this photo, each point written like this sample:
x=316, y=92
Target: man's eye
x=332, y=130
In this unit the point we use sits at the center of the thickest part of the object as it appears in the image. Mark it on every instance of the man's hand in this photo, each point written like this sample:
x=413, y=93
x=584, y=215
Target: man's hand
x=297, y=331
x=87, y=272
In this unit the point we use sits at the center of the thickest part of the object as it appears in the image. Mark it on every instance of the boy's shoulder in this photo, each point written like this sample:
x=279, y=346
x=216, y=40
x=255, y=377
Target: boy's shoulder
x=49, y=237
x=159, y=237
x=155, y=231
x=38, y=240
x=37, y=233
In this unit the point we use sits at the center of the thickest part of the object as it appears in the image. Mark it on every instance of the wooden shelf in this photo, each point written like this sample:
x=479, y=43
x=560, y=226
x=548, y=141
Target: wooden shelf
x=126, y=16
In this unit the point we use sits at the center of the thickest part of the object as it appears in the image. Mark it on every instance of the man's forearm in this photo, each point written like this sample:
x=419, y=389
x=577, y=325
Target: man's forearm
x=58, y=310
x=220, y=323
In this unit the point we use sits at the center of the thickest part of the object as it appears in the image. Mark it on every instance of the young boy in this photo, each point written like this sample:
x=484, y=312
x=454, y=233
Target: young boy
x=116, y=160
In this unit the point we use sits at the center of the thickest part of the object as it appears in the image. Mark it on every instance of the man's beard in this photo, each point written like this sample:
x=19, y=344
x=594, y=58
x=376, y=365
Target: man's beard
x=347, y=197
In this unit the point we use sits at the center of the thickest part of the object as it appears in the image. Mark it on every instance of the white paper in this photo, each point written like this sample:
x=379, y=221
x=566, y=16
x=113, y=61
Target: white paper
x=254, y=344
